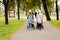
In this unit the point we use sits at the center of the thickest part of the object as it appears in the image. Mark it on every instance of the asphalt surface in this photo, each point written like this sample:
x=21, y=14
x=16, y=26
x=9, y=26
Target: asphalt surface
x=48, y=33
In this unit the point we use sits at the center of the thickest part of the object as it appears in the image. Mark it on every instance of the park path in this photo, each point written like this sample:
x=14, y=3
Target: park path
x=48, y=33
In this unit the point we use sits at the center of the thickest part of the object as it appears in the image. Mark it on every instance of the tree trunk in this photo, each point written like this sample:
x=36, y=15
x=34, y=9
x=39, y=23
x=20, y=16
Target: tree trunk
x=18, y=11
x=57, y=14
x=6, y=14
x=46, y=10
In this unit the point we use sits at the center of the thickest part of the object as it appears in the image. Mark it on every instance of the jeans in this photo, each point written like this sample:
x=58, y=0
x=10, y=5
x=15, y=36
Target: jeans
x=30, y=25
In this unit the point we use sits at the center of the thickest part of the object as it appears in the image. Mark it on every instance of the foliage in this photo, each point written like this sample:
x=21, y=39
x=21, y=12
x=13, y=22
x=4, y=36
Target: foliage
x=30, y=4
x=12, y=4
x=50, y=5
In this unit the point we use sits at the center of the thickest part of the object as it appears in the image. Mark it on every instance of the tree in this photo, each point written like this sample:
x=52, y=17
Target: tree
x=6, y=10
x=57, y=15
x=46, y=10
x=18, y=8
x=7, y=4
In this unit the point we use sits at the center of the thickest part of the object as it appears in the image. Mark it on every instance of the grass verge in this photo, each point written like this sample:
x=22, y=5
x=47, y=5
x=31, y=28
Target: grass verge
x=55, y=23
x=6, y=31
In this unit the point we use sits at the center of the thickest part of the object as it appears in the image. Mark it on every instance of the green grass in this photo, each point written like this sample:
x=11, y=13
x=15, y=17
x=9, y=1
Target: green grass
x=6, y=31
x=55, y=23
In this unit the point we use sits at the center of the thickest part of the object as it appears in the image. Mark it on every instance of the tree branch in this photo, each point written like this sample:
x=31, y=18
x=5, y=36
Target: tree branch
x=7, y=1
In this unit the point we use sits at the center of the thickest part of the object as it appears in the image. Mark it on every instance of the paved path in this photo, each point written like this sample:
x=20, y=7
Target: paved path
x=48, y=33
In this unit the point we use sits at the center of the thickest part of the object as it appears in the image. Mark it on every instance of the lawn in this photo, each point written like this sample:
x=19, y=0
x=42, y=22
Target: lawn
x=55, y=23
x=6, y=31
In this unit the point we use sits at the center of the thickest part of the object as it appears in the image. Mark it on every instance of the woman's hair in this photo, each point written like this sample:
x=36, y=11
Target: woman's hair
x=30, y=12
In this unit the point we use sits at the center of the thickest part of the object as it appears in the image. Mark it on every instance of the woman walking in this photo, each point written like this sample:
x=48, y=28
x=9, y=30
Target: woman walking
x=39, y=20
x=30, y=20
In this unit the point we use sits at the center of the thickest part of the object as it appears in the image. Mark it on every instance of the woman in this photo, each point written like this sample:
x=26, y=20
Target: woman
x=39, y=20
x=30, y=19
